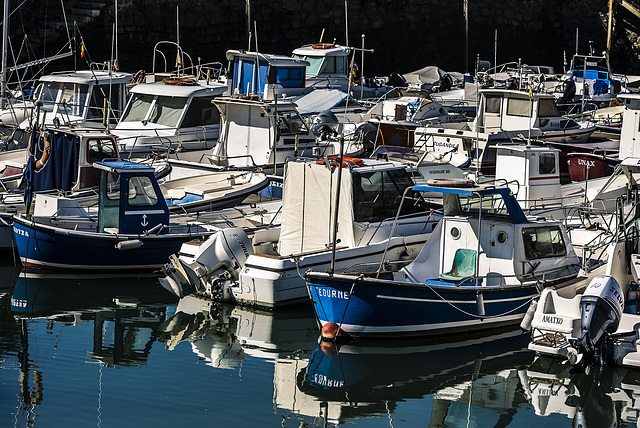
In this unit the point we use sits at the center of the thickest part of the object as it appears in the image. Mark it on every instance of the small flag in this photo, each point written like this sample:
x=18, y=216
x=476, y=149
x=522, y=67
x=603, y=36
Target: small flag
x=82, y=50
x=178, y=60
x=530, y=92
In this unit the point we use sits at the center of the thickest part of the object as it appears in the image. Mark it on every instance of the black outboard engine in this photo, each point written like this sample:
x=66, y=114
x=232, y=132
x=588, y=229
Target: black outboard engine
x=601, y=308
x=568, y=92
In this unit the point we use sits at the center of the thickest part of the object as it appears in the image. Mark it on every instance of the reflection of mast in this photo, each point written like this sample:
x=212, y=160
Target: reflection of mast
x=28, y=399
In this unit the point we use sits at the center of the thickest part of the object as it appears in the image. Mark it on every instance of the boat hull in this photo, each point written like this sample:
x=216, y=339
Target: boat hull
x=366, y=307
x=50, y=247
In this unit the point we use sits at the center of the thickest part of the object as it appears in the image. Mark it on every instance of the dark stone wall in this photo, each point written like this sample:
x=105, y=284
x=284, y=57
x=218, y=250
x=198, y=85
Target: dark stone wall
x=405, y=34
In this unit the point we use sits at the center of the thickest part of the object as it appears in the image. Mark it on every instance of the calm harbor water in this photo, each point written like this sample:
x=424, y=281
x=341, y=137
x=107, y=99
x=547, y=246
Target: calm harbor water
x=72, y=356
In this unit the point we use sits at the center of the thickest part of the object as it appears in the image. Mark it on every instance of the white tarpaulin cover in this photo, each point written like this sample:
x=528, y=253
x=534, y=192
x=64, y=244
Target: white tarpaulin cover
x=319, y=100
x=308, y=200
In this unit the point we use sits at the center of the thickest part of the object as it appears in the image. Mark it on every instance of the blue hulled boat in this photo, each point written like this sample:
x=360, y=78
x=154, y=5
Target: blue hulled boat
x=483, y=264
x=132, y=228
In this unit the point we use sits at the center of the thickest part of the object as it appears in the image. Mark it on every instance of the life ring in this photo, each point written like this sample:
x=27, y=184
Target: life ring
x=179, y=81
x=45, y=154
x=323, y=46
x=346, y=161
x=450, y=182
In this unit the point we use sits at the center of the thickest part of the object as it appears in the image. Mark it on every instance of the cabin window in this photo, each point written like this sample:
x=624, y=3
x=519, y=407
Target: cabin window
x=548, y=108
x=167, y=111
x=140, y=192
x=113, y=185
x=138, y=108
x=201, y=112
x=73, y=100
x=97, y=101
x=49, y=94
x=464, y=205
x=290, y=77
x=492, y=105
x=546, y=163
x=333, y=64
x=543, y=242
x=314, y=63
x=99, y=149
x=519, y=107
x=377, y=195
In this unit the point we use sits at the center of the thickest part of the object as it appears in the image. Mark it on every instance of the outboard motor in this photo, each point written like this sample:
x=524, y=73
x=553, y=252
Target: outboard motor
x=568, y=92
x=601, y=309
x=213, y=266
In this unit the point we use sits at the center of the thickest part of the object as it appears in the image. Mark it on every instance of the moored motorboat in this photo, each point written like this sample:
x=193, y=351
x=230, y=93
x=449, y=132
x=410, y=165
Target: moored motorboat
x=483, y=264
x=132, y=228
x=264, y=267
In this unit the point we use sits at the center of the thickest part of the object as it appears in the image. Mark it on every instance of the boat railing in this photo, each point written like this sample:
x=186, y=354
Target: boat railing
x=222, y=160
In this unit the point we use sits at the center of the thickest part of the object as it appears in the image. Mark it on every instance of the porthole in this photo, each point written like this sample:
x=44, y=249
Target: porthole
x=502, y=237
x=455, y=233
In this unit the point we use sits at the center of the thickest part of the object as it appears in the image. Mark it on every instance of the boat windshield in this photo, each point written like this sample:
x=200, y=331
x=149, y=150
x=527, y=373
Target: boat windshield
x=49, y=94
x=74, y=99
x=377, y=195
x=290, y=122
x=470, y=206
x=548, y=108
x=137, y=108
x=201, y=112
x=315, y=62
x=167, y=111
x=543, y=242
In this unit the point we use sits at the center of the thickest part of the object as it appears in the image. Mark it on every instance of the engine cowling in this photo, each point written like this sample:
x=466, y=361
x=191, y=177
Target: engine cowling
x=601, y=308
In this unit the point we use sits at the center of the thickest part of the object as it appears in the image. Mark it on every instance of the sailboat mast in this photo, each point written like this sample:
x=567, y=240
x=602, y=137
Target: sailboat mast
x=5, y=48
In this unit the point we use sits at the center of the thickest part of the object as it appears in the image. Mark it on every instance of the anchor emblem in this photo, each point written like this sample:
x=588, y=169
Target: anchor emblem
x=144, y=220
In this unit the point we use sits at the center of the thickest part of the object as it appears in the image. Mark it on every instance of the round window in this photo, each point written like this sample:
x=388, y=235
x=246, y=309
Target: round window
x=455, y=232
x=502, y=237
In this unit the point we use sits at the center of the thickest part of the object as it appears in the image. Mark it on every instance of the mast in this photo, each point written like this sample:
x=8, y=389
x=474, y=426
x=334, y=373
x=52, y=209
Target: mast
x=5, y=48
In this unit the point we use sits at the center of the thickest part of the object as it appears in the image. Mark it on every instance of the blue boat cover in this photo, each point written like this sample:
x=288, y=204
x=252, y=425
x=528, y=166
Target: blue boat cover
x=61, y=170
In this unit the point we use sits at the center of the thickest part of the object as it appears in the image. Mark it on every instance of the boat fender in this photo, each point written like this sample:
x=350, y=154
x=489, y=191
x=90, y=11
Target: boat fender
x=450, y=182
x=323, y=46
x=480, y=303
x=130, y=244
x=40, y=163
x=525, y=325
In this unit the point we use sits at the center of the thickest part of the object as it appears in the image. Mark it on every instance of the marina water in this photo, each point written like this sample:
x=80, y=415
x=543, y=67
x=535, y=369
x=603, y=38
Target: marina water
x=72, y=355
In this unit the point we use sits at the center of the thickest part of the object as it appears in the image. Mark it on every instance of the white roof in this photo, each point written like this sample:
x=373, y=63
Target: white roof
x=88, y=77
x=309, y=50
x=200, y=89
x=274, y=60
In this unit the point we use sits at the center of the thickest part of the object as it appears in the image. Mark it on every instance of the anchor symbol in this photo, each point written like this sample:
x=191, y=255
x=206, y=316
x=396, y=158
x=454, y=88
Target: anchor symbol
x=144, y=220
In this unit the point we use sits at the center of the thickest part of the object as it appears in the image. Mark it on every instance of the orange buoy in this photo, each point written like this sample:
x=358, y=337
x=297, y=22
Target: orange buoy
x=331, y=331
x=323, y=45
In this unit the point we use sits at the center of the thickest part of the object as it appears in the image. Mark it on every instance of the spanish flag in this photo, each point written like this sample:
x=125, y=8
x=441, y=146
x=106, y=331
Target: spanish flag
x=82, y=51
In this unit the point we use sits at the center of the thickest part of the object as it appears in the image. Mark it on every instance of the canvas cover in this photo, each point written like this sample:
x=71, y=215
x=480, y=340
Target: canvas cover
x=308, y=205
x=60, y=172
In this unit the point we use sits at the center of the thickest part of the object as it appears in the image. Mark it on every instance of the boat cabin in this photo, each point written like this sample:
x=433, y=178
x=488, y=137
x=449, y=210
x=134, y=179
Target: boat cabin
x=593, y=77
x=68, y=165
x=130, y=200
x=263, y=133
x=531, y=172
x=173, y=112
x=503, y=110
x=485, y=237
x=265, y=76
x=80, y=97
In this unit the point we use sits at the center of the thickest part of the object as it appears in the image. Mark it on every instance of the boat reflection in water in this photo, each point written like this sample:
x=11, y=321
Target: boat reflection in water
x=126, y=311
x=476, y=379
x=605, y=398
x=223, y=334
